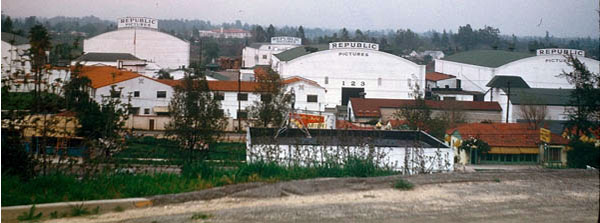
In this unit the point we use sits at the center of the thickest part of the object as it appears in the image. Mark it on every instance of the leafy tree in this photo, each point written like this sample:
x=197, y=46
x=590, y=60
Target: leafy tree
x=259, y=34
x=300, y=34
x=7, y=25
x=445, y=41
x=39, y=39
x=359, y=35
x=585, y=98
x=196, y=117
x=163, y=74
x=274, y=103
x=473, y=143
x=270, y=32
x=465, y=37
x=344, y=35
x=435, y=39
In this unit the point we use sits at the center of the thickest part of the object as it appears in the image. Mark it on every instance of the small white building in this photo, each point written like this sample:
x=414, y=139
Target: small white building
x=261, y=53
x=225, y=33
x=15, y=62
x=388, y=149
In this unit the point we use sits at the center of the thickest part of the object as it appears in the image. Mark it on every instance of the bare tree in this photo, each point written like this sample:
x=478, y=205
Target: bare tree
x=534, y=114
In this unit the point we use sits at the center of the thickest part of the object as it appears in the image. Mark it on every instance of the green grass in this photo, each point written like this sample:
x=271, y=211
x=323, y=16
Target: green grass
x=402, y=184
x=194, y=176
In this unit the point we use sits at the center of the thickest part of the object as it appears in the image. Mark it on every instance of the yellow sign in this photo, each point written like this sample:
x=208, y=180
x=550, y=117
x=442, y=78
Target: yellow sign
x=545, y=135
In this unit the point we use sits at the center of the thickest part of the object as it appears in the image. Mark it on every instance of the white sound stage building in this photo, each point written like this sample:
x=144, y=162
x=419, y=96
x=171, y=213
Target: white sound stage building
x=476, y=68
x=139, y=36
x=352, y=69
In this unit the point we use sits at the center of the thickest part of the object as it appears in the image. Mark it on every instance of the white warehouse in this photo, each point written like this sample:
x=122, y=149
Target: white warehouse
x=140, y=37
x=352, y=69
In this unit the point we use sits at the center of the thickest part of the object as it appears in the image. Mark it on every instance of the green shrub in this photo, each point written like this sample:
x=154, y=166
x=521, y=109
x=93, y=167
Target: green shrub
x=198, y=169
x=202, y=216
x=79, y=210
x=403, y=184
x=583, y=154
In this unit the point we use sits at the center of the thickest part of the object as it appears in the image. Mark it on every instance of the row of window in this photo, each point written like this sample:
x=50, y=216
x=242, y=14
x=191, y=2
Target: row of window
x=136, y=94
x=218, y=96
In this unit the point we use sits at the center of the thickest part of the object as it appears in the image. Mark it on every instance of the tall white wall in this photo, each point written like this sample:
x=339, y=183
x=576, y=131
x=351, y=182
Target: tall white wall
x=355, y=68
x=13, y=59
x=166, y=50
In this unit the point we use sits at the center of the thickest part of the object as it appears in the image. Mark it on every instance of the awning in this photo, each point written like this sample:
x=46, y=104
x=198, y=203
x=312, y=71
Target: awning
x=160, y=109
x=513, y=150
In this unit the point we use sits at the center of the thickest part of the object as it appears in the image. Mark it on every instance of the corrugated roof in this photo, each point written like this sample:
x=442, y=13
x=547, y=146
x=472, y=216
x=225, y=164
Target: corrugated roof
x=107, y=57
x=106, y=75
x=14, y=39
x=435, y=76
x=487, y=58
x=541, y=96
x=217, y=76
x=504, y=134
x=503, y=81
x=300, y=51
x=335, y=137
x=370, y=107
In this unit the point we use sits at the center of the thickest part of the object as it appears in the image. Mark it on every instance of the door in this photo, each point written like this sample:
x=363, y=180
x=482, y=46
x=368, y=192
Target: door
x=348, y=93
x=474, y=156
x=151, y=125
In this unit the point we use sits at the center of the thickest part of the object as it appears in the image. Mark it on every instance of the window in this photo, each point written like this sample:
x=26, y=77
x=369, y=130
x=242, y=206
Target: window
x=242, y=96
x=161, y=94
x=146, y=111
x=136, y=94
x=553, y=155
x=134, y=110
x=326, y=80
x=301, y=87
x=265, y=98
x=115, y=94
x=379, y=81
x=219, y=96
x=264, y=56
x=242, y=114
x=449, y=98
x=311, y=98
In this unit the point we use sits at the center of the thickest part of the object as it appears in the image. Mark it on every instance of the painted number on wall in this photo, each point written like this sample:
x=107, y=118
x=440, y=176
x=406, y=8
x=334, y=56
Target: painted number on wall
x=353, y=83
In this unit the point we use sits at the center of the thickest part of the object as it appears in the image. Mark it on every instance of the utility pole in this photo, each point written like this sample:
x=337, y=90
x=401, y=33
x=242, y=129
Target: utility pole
x=507, y=100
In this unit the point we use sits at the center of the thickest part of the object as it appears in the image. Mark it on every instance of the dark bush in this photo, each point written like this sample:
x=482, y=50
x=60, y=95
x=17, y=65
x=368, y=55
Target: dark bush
x=583, y=154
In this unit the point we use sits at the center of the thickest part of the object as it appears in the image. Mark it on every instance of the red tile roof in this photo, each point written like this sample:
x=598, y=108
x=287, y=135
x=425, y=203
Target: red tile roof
x=246, y=86
x=505, y=134
x=295, y=79
x=435, y=76
x=106, y=75
x=343, y=124
x=370, y=107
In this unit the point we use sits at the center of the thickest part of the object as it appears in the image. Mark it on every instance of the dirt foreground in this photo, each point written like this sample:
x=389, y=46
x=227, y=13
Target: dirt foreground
x=512, y=196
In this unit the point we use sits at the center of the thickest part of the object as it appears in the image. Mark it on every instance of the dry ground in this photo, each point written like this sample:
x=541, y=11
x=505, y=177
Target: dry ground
x=519, y=196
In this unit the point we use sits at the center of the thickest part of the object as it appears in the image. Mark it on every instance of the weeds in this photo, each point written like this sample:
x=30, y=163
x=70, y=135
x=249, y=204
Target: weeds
x=79, y=210
x=402, y=184
x=30, y=215
x=118, y=209
x=497, y=180
x=200, y=215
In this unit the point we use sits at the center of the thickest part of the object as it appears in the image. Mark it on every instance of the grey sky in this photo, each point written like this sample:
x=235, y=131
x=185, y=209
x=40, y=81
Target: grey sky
x=572, y=18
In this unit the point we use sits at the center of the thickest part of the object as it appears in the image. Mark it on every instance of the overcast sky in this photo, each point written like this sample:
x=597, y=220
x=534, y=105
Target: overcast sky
x=562, y=18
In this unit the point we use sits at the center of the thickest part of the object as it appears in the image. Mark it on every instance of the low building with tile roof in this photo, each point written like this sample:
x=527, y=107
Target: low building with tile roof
x=510, y=143
x=367, y=109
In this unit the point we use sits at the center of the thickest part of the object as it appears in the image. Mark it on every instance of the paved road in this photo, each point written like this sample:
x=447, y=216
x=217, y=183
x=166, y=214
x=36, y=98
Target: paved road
x=526, y=196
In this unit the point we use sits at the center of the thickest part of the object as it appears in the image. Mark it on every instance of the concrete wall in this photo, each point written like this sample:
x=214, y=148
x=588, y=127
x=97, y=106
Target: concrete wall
x=471, y=116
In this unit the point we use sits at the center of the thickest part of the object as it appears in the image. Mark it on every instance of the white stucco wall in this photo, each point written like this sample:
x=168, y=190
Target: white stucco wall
x=356, y=68
x=166, y=50
x=307, y=154
x=148, y=93
x=13, y=59
x=263, y=55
